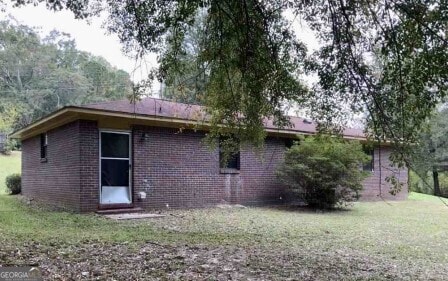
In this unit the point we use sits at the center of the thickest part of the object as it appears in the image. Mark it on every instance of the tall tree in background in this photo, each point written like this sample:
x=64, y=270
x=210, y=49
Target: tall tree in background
x=255, y=60
x=38, y=76
x=188, y=83
x=430, y=153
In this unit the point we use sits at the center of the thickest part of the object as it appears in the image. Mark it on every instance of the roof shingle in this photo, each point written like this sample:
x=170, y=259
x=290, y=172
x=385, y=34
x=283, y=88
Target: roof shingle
x=164, y=108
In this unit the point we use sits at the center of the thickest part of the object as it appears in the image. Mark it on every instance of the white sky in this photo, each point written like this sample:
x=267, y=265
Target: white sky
x=91, y=37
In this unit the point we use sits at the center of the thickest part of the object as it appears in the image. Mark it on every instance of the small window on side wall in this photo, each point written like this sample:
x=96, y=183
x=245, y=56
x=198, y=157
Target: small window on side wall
x=43, y=146
x=233, y=161
x=369, y=166
x=289, y=143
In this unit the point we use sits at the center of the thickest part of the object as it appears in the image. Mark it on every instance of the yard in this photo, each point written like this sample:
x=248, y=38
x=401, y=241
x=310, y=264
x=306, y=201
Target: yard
x=399, y=240
x=9, y=164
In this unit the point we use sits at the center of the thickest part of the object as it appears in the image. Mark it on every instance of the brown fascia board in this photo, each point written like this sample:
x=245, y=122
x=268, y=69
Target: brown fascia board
x=287, y=132
x=17, y=134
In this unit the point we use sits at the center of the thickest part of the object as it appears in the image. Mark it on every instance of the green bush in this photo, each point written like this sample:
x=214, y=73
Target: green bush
x=14, y=184
x=9, y=146
x=12, y=144
x=324, y=171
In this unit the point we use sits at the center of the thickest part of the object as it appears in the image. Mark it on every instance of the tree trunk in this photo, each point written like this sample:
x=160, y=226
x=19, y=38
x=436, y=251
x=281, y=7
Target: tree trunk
x=435, y=177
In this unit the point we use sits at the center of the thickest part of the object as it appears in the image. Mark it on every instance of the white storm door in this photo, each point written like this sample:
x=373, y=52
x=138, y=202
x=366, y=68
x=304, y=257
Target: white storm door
x=115, y=167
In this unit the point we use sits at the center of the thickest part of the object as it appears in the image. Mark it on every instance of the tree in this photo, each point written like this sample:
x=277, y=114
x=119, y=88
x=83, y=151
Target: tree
x=430, y=154
x=188, y=83
x=386, y=57
x=38, y=76
x=9, y=114
x=324, y=171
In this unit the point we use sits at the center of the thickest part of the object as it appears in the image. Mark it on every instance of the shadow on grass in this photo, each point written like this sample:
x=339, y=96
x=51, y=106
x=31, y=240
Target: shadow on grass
x=304, y=208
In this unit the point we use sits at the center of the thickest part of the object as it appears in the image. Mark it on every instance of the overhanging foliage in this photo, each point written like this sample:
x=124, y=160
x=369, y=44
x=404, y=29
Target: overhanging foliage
x=384, y=57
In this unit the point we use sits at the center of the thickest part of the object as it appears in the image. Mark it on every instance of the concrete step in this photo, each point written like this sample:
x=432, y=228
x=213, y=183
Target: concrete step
x=120, y=211
x=134, y=216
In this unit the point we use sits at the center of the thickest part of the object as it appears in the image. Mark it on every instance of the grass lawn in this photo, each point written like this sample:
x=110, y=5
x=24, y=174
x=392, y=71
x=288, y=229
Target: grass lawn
x=375, y=241
x=9, y=164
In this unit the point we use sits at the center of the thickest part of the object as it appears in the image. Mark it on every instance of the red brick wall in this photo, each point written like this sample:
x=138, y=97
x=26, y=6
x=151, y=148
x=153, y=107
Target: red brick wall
x=56, y=181
x=69, y=178
x=89, y=165
x=375, y=186
x=175, y=169
x=259, y=183
x=171, y=167
x=179, y=170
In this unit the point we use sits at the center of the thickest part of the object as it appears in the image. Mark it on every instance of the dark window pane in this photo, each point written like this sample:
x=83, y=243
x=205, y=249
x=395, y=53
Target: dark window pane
x=289, y=143
x=368, y=166
x=114, y=145
x=114, y=172
x=43, y=145
x=233, y=161
x=43, y=152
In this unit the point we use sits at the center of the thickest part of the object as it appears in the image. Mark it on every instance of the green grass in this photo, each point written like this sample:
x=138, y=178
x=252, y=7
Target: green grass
x=397, y=239
x=377, y=240
x=9, y=164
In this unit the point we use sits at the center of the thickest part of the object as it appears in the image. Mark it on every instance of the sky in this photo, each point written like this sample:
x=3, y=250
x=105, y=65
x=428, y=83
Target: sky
x=91, y=37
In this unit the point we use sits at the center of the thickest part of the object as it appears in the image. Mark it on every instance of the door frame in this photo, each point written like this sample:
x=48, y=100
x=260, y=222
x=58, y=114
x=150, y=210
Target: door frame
x=131, y=171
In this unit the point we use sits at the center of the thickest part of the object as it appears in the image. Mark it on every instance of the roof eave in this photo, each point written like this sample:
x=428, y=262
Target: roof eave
x=17, y=134
x=27, y=131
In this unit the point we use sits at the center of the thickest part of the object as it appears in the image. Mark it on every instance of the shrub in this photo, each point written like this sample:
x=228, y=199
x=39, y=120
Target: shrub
x=12, y=144
x=324, y=171
x=14, y=184
x=9, y=146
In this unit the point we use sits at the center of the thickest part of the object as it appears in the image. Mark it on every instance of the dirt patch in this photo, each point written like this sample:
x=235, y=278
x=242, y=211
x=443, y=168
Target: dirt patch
x=151, y=261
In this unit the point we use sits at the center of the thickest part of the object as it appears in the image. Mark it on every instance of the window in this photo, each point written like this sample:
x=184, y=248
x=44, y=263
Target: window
x=289, y=143
x=233, y=161
x=369, y=151
x=43, y=145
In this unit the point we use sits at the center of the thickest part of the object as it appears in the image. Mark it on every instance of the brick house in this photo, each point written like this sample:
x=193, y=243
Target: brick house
x=151, y=155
